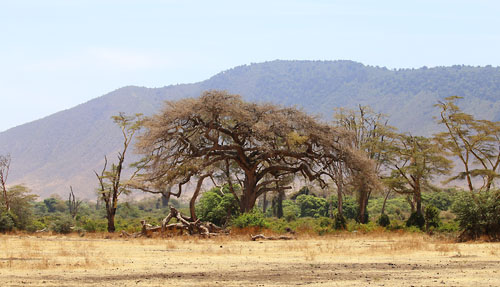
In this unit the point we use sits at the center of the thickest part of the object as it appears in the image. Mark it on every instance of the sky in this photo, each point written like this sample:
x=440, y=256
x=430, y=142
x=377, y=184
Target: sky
x=56, y=54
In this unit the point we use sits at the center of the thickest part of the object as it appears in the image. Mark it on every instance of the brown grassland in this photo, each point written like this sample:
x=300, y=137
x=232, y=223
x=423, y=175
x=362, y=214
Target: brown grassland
x=341, y=259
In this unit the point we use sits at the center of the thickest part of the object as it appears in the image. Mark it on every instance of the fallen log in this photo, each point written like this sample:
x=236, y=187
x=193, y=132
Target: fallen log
x=205, y=229
x=262, y=236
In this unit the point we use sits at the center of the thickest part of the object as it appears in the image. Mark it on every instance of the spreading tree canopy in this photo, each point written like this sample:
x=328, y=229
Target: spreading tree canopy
x=221, y=137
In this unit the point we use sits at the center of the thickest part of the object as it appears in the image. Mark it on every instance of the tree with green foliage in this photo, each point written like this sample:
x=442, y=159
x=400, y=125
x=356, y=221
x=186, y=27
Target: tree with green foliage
x=312, y=206
x=478, y=214
x=415, y=162
x=111, y=185
x=54, y=203
x=21, y=206
x=476, y=143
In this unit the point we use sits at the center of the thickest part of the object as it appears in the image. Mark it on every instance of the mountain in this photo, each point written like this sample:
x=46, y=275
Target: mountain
x=63, y=149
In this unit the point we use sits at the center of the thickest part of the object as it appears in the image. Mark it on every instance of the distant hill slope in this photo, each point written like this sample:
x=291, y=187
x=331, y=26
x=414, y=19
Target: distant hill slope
x=63, y=149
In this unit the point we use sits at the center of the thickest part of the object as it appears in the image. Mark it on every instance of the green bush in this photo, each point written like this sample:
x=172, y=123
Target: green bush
x=91, y=225
x=383, y=220
x=217, y=207
x=35, y=225
x=448, y=227
x=312, y=206
x=416, y=219
x=432, y=217
x=7, y=221
x=355, y=226
x=339, y=221
x=62, y=225
x=349, y=206
x=255, y=218
x=290, y=210
x=442, y=200
x=366, y=217
x=478, y=214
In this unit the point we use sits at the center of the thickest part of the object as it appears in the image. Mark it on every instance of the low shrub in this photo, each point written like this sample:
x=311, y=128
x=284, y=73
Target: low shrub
x=7, y=221
x=339, y=221
x=416, y=219
x=449, y=227
x=35, y=225
x=383, y=220
x=431, y=217
x=254, y=218
x=62, y=225
x=364, y=228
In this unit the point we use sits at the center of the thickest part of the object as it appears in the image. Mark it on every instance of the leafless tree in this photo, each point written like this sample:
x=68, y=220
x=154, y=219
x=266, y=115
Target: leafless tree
x=73, y=203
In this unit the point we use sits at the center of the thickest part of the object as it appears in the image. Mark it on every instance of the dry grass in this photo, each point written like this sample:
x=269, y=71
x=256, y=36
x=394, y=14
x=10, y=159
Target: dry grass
x=234, y=260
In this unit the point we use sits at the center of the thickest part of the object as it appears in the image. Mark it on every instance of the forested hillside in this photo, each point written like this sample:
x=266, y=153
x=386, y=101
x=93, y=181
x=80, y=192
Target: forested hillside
x=63, y=149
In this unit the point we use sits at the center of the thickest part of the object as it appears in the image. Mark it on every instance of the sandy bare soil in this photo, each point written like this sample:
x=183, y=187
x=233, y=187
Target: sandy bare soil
x=387, y=259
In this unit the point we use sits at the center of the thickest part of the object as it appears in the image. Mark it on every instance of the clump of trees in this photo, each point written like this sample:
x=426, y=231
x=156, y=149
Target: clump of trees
x=221, y=137
x=250, y=156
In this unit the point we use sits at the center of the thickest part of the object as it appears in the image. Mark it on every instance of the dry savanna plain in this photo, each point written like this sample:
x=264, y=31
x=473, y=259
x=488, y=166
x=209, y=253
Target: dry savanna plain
x=342, y=259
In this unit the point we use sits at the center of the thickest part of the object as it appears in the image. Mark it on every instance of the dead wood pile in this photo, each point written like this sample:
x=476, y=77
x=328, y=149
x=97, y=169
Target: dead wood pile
x=183, y=223
x=262, y=236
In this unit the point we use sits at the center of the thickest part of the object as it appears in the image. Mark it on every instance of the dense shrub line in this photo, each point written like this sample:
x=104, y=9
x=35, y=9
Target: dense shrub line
x=474, y=215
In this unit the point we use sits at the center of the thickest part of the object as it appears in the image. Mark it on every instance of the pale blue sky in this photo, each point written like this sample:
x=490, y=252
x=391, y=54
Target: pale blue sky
x=57, y=54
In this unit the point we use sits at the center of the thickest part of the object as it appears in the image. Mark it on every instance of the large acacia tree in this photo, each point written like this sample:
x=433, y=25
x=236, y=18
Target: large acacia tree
x=257, y=146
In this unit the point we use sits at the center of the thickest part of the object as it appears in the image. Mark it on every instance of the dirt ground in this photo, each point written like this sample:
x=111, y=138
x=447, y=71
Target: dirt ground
x=386, y=259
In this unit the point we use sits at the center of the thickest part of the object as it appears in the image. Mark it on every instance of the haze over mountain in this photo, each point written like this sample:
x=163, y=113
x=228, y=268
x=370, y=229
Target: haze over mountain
x=63, y=149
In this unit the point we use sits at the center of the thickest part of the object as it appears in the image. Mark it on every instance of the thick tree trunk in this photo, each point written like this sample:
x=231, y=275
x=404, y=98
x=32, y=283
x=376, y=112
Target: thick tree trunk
x=363, y=194
x=340, y=201
x=264, y=203
x=111, y=221
x=248, y=197
x=418, y=202
x=279, y=204
x=165, y=198
x=247, y=203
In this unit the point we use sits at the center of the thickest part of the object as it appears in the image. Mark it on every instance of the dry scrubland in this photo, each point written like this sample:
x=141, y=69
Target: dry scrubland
x=385, y=259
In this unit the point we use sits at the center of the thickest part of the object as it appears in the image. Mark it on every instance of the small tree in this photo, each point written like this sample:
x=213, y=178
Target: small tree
x=415, y=161
x=110, y=184
x=476, y=143
x=21, y=205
